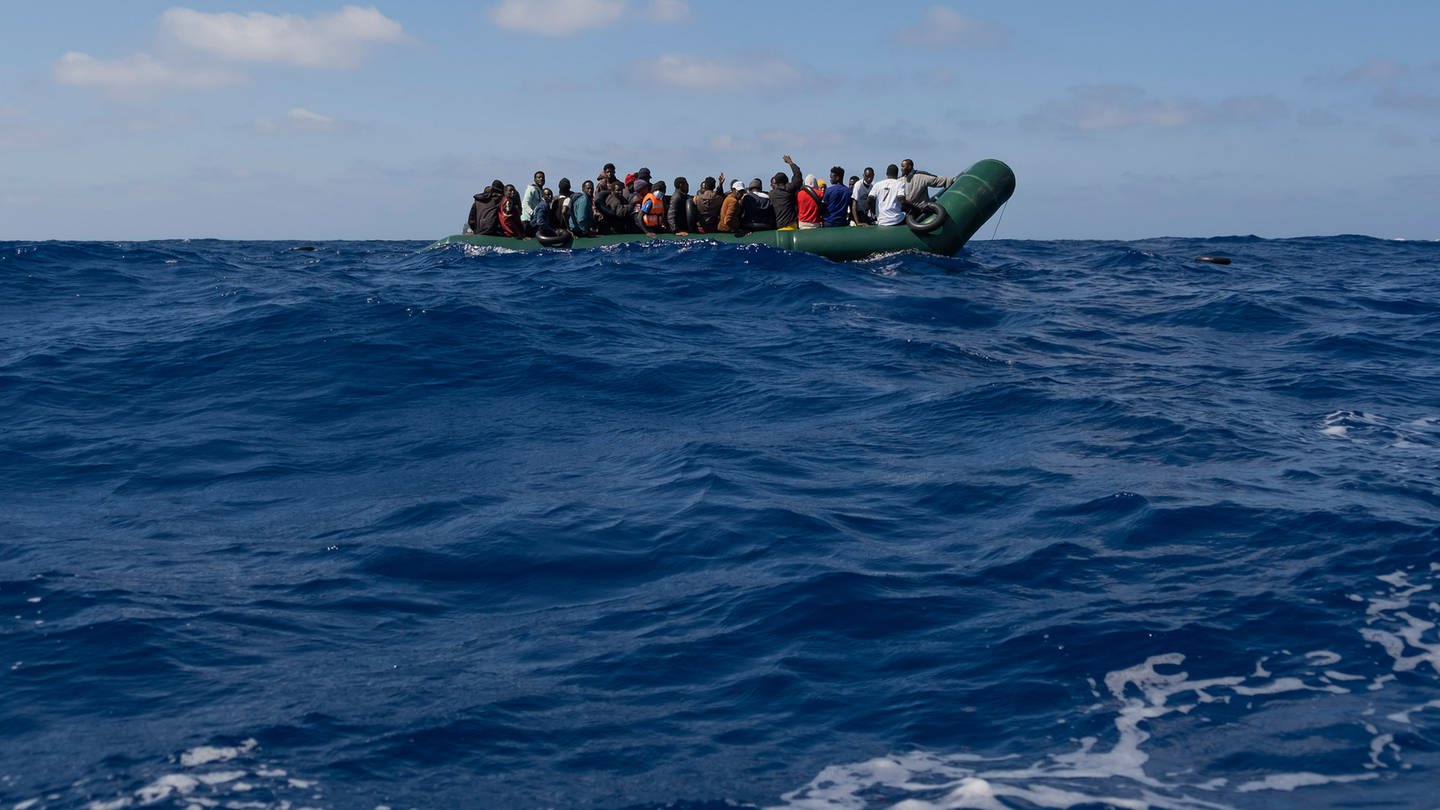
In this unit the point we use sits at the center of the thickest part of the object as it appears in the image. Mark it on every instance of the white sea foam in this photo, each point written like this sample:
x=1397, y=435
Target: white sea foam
x=1380, y=431
x=1156, y=697
x=200, y=785
x=471, y=251
x=205, y=755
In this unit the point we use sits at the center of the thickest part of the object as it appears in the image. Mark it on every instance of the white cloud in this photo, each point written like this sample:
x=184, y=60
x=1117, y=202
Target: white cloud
x=557, y=18
x=942, y=26
x=687, y=72
x=313, y=121
x=138, y=75
x=335, y=40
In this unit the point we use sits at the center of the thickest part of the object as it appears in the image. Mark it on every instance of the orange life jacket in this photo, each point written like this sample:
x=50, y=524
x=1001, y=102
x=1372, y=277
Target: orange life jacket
x=656, y=216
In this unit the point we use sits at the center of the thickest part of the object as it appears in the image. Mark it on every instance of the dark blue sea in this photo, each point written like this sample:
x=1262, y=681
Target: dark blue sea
x=1043, y=525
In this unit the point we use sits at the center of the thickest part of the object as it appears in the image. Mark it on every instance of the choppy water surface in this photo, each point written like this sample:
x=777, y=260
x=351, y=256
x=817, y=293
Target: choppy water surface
x=1043, y=525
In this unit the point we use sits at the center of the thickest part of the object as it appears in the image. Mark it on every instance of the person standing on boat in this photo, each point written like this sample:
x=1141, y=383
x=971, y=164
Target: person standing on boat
x=534, y=194
x=862, y=207
x=889, y=197
x=782, y=197
x=485, y=212
x=837, y=199
x=919, y=183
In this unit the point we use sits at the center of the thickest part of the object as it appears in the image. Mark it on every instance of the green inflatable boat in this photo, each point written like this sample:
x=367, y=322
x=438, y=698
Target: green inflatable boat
x=944, y=227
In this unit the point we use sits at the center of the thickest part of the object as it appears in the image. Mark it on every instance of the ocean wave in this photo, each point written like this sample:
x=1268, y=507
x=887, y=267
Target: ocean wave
x=1043, y=524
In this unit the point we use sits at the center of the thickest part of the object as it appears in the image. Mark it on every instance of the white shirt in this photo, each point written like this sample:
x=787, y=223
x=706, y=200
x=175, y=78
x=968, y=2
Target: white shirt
x=860, y=192
x=888, y=193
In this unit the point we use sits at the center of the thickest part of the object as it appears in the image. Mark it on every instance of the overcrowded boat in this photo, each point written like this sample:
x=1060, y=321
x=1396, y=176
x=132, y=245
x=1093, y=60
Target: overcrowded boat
x=942, y=225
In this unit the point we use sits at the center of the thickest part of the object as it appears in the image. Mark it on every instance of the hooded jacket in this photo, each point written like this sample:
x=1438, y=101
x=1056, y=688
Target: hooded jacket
x=485, y=213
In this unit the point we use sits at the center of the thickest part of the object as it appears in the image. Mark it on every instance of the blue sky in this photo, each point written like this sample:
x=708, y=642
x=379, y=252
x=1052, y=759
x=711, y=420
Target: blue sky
x=1123, y=119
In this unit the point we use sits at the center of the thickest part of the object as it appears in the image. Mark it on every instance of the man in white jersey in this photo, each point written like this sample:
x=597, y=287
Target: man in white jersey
x=889, y=195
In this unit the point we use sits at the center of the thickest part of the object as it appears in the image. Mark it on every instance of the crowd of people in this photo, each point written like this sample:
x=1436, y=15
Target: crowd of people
x=639, y=204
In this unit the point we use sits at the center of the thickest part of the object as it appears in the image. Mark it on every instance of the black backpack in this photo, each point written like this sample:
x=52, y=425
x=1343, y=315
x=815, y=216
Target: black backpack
x=560, y=211
x=819, y=202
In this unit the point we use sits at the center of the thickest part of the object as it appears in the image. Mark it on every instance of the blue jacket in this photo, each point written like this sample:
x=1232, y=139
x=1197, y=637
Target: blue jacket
x=837, y=205
x=540, y=217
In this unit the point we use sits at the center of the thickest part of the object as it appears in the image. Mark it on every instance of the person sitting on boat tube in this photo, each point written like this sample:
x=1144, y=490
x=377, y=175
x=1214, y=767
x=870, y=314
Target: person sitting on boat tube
x=603, y=221
x=757, y=212
x=782, y=196
x=680, y=213
x=510, y=222
x=534, y=193
x=617, y=210
x=837, y=199
x=485, y=212
x=564, y=205
x=862, y=206
x=651, y=209
x=539, y=221
x=919, y=183
x=810, y=204
x=582, y=210
x=639, y=185
x=889, y=197
x=730, y=207
x=635, y=191
x=709, y=203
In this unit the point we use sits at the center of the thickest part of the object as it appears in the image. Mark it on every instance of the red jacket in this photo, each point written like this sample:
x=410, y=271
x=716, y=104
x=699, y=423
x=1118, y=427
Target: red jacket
x=510, y=217
x=807, y=205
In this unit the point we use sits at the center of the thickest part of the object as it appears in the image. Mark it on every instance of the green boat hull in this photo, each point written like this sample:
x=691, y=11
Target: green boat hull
x=971, y=200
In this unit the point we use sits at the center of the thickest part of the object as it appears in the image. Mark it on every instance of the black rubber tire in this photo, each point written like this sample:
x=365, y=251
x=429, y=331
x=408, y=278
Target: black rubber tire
x=556, y=239
x=925, y=209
